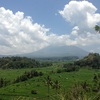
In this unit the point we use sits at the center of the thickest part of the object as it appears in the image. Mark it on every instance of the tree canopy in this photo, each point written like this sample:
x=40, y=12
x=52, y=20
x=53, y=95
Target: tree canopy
x=21, y=62
x=97, y=28
x=92, y=60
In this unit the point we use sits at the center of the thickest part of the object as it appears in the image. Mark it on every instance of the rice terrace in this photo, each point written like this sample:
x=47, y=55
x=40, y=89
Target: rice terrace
x=30, y=79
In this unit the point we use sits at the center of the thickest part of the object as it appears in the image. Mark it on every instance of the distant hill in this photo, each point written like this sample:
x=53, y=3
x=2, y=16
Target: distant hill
x=92, y=60
x=58, y=51
x=21, y=62
x=2, y=56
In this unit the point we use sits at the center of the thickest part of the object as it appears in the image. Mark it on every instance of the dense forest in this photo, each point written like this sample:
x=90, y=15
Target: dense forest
x=66, y=58
x=92, y=61
x=21, y=62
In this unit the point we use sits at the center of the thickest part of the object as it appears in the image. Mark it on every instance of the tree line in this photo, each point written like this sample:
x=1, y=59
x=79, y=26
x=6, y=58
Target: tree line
x=21, y=62
x=92, y=61
x=24, y=77
x=28, y=75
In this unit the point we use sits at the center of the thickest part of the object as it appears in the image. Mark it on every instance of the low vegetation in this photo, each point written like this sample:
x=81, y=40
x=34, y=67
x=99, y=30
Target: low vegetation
x=72, y=80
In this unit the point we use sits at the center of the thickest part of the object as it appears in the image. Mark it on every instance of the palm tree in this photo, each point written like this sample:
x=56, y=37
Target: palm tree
x=56, y=85
x=97, y=28
x=48, y=83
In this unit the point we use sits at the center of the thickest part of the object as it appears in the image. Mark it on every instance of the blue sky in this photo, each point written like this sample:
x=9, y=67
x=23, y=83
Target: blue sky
x=42, y=11
x=57, y=29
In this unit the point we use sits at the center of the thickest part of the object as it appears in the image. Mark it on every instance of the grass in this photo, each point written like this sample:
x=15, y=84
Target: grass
x=23, y=89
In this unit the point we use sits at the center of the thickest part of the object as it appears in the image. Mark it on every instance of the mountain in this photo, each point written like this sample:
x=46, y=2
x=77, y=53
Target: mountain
x=58, y=51
x=3, y=56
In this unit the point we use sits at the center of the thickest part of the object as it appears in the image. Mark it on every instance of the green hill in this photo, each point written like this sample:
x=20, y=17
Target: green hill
x=92, y=60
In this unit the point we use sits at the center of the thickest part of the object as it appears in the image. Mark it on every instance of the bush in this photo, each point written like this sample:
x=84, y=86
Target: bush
x=71, y=69
x=59, y=70
x=33, y=92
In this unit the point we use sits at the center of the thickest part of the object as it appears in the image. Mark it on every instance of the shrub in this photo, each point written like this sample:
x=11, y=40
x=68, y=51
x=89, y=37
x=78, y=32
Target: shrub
x=59, y=70
x=33, y=92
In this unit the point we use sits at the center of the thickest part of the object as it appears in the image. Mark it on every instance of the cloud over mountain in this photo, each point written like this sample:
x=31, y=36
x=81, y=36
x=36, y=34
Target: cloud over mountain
x=20, y=34
x=82, y=15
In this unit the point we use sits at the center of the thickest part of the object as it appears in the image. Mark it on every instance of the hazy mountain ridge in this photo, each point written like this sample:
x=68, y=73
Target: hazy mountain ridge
x=54, y=51
x=58, y=51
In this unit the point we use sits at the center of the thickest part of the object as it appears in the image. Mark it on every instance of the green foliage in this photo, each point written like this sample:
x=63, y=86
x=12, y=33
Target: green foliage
x=70, y=67
x=33, y=92
x=60, y=70
x=45, y=64
x=96, y=81
x=49, y=83
x=60, y=88
x=59, y=59
x=97, y=28
x=28, y=75
x=21, y=62
x=18, y=62
x=92, y=60
x=56, y=85
x=4, y=82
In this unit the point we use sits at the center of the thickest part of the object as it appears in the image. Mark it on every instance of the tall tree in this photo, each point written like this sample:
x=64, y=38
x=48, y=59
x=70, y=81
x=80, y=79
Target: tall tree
x=48, y=83
x=56, y=86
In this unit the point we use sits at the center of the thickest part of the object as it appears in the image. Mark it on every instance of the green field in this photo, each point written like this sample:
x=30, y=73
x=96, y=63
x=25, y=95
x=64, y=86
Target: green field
x=22, y=90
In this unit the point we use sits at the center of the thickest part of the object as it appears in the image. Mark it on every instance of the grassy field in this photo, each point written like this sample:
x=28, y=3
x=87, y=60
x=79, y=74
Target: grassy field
x=22, y=90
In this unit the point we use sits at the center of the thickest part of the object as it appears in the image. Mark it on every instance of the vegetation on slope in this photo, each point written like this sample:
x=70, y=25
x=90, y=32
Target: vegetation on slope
x=21, y=62
x=92, y=61
x=61, y=81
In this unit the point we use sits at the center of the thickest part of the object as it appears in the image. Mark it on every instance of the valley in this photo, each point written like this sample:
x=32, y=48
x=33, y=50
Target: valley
x=36, y=87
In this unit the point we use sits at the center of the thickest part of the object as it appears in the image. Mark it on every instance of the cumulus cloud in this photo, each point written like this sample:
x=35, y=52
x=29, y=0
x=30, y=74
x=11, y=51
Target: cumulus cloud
x=82, y=15
x=60, y=40
x=19, y=34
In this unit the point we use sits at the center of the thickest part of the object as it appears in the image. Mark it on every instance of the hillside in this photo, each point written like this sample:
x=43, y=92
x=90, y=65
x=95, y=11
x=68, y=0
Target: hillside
x=92, y=60
x=21, y=62
x=58, y=51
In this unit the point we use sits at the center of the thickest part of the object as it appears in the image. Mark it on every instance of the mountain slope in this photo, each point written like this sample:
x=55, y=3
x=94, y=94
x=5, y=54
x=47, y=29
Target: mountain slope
x=58, y=51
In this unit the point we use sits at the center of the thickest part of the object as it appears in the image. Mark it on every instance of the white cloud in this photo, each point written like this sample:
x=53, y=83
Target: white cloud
x=60, y=40
x=19, y=34
x=82, y=15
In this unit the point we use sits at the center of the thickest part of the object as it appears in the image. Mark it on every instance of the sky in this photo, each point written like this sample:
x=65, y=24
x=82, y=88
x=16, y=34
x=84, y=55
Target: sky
x=30, y=25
